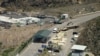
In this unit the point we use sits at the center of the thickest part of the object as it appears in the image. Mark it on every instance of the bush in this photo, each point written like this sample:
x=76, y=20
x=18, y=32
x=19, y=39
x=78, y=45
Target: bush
x=7, y=51
x=86, y=55
x=0, y=43
x=69, y=54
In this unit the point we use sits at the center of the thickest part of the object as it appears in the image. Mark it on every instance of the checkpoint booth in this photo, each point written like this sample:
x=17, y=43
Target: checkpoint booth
x=78, y=50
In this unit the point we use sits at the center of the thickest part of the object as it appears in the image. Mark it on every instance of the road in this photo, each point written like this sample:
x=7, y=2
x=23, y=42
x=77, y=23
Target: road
x=32, y=48
x=78, y=20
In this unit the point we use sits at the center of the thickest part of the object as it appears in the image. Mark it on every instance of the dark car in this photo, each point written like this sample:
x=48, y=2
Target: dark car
x=75, y=33
x=57, y=22
x=73, y=27
x=41, y=16
x=44, y=46
x=40, y=50
x=56, y=50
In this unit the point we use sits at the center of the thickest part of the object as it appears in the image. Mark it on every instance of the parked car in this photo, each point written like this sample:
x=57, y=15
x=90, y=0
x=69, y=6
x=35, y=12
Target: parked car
x=40, y=50
x=75, y=33
x=44, y=46
x=57, y=22
x=41, y=16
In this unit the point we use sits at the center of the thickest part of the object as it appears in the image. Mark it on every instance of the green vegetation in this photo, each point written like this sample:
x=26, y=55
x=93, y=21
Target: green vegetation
x=7, y=51
x=69, y=54
x=45, y=53
x=0, y=44
x=13, y=51
x=86, y=55
x=23, y=45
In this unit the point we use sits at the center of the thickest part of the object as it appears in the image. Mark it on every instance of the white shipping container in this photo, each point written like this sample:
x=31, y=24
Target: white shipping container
x=64, y=16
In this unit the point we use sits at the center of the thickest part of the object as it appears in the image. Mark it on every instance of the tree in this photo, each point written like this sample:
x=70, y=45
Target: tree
x=87, y=55
x=0, y=44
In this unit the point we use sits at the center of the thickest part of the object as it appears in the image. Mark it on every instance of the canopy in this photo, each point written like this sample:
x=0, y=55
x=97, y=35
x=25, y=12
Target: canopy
x=78, y=47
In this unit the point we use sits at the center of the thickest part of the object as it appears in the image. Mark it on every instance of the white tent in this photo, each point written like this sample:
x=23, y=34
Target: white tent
x=78, y=47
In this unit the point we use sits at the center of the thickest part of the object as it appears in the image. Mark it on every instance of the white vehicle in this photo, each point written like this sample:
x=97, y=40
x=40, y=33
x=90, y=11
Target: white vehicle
x=75, y=34
x=55, y=30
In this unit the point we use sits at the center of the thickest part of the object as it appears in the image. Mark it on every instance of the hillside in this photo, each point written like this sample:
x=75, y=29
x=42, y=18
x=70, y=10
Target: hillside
x=91, y=36
x=25, y=4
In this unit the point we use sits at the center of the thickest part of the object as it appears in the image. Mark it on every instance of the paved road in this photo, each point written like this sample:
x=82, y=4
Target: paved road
x=31, y=50
x=78, y=20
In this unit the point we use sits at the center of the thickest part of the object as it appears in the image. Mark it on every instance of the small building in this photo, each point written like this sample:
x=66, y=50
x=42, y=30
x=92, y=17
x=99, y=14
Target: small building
x=78, y=50
x=41, y=36
x=64, y=16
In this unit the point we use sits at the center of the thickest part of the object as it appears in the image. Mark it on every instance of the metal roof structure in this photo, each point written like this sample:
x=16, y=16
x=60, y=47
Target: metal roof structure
x=78, y=47
x=42, y=33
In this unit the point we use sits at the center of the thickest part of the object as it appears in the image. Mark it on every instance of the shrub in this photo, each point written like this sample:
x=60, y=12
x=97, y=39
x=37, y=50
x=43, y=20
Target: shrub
x=86, y=55
x=7, y=51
